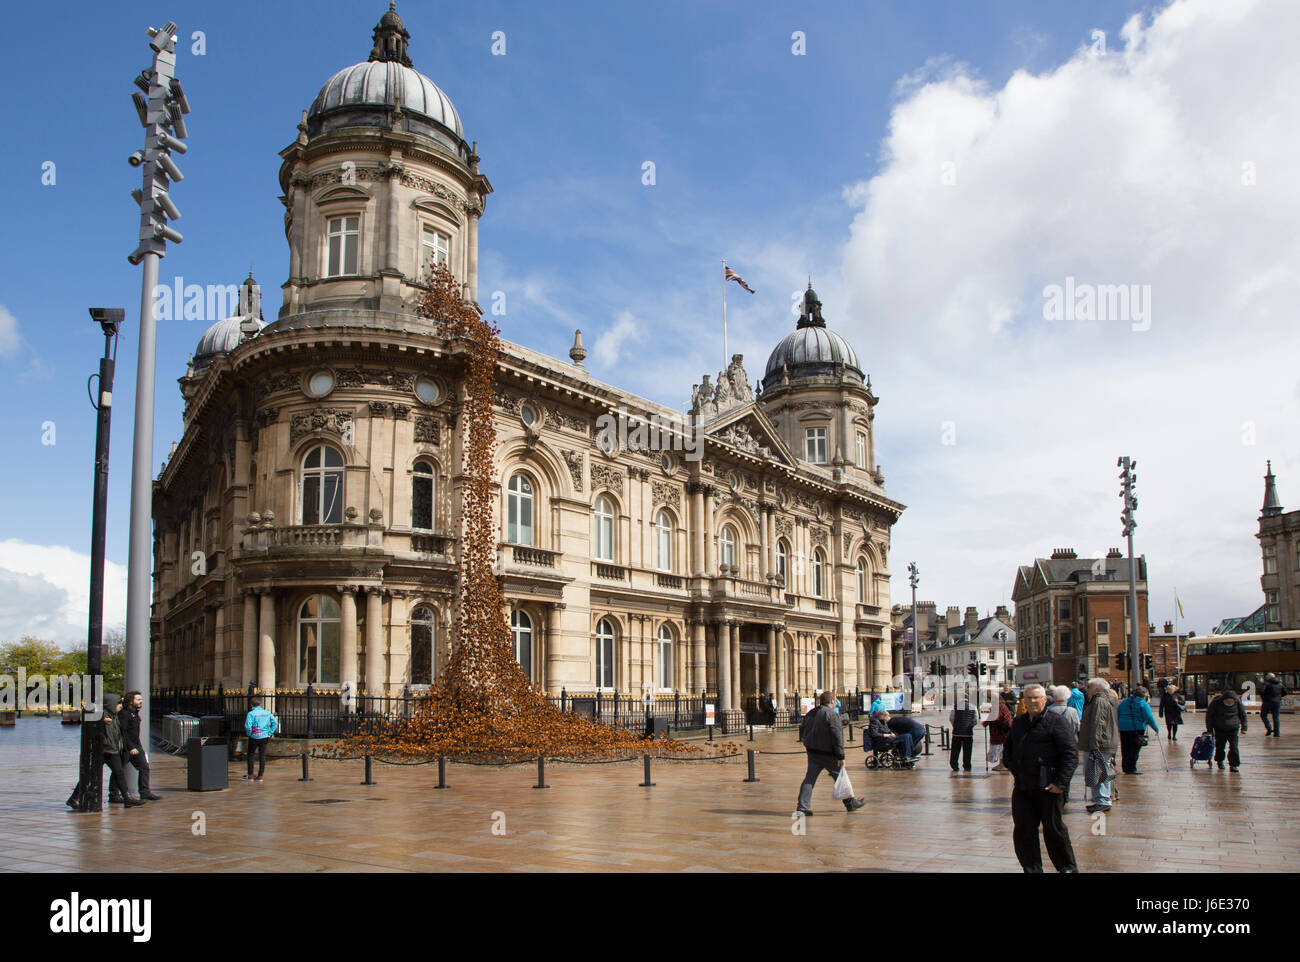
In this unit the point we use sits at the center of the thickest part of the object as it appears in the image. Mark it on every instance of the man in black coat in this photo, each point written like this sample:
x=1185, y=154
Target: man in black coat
x=1041, y=752
x=962, y=721
x=823, y=740
x=1270, y=697
x=129, y=719
x=1226, y=718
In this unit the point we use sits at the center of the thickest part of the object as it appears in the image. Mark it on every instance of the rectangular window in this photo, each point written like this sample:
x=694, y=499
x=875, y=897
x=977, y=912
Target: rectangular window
x=1271, y=594
x=435, y=248
x=1270, y=559
x=814, y=441
x=1103, y=627
x=1065, y=609
x=1103, y=656
x=862, y=451
x=344, y=236
x=1066, y=642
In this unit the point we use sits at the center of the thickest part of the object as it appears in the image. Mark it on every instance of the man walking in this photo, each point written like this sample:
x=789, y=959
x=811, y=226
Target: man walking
x=1040, y=753
x=129, y=719
x=1226, y=718
x=1270, y=697
x=259, y=726
x=962, y=721
x=823, y=740
x=1098, y=740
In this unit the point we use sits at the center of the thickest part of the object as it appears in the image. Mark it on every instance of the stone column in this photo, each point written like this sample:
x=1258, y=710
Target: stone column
x=219, y=643
x=710, y=546
x=374, y=642
x=551, y=682
x=841, y=655
x=299, y=239
x=399, y=642
x=624, y=680
x=897, y=653
x=701, y=675
x=266, y=643
x=765, y=542
x=250, y=640
x=697, y=528
x=348, y=636
x=735, y=665
x=723, y=632
x=471, y=255
x=772, y=655
x=780, y=668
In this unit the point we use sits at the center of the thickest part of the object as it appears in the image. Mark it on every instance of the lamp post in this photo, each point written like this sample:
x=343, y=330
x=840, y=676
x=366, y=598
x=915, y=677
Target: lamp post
x=92, y=747
x=1006, y=671
x=161, y=116
x=1128, y=489
x=914, y=578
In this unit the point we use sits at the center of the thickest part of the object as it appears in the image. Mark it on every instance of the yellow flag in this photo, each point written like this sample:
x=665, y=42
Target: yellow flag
x=1180, y=606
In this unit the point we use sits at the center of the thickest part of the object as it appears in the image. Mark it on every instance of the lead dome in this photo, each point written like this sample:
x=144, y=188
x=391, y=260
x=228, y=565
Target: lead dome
x=812, y=350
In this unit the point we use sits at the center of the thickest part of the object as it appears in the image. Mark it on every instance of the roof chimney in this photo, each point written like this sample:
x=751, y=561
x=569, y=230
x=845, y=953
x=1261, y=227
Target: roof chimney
x=972, y=620
x=1002, y=615
x=954, y=616
x=1063, y=554
x=1114, y=553
x=1169, y=627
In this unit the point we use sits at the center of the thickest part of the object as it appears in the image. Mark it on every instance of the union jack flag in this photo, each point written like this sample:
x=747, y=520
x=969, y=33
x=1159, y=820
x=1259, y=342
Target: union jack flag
x=733, y=276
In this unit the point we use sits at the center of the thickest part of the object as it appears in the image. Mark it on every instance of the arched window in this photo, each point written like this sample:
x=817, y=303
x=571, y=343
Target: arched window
x=318, y=641
x=820, y=667
x=727, y=545
x=819, y=573
x=604, y=654
x=519, y=510
x=604, y=524
x=664, y=661
x=663, y=541
x=422, y=496
x=322, y=486
x=521, y=629
x=862, y=582
x=783, y=561
x=422, y=625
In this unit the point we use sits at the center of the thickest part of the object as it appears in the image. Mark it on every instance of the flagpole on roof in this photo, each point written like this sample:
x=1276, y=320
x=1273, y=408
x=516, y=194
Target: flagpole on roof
x=724, y=313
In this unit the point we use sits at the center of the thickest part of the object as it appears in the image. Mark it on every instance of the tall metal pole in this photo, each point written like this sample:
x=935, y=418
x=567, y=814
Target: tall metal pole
x=914, y=577
x=92, y=748
x=725, y=359
x=1135, y=669
x=161, y=115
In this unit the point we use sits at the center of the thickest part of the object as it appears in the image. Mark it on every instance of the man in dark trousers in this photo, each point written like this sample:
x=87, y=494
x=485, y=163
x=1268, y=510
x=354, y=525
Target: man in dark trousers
x=962, y=721
x=1270, y=697
x=1226, y=718
x=823, y=740
x=1042, y=753
x=129, y=719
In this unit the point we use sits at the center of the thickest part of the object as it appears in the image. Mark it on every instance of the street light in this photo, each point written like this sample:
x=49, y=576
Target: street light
x=161, y=115
x=92, y=749
x=1128, y=492
x=914, y=578
x=1006, y=671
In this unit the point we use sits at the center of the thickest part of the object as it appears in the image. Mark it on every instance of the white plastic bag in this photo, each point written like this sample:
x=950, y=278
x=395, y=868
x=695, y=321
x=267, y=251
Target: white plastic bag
x=995, y=754
x=843, y=787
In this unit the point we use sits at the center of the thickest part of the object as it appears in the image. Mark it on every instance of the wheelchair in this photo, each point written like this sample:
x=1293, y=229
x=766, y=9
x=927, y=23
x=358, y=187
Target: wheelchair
x=888, y=754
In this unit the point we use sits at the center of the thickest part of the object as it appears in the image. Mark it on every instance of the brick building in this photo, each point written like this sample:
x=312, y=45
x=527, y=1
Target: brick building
x=1071, y=616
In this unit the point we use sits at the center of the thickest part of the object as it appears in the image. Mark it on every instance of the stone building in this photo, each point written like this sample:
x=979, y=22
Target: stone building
x=308, y=523
x=960, y=638
x=1072, y=616
x=1279, y=544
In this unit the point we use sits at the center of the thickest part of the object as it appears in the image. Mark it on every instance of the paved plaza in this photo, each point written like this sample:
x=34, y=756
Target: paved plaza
x=700, y=816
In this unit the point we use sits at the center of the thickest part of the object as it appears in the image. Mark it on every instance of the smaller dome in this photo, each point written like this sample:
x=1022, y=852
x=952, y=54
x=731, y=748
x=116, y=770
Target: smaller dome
x=226, y=335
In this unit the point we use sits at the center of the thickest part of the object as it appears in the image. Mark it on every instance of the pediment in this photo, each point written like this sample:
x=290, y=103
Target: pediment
x=748, y=429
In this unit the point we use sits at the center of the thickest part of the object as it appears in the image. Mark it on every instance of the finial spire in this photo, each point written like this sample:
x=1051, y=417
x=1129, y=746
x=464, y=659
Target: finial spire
x=390, y=39
x=1272, y=503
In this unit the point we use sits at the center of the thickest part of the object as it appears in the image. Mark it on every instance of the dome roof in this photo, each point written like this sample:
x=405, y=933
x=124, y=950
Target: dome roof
x=381, y=83
x=224, y=336
x=811, y=350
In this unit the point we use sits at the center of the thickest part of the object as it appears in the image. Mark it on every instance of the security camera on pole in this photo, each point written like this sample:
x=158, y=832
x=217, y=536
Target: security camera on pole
x=1128, y=491
x=161, y=117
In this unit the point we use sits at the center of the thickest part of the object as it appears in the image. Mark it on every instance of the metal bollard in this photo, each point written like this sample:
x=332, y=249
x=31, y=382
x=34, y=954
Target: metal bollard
x=305, y=777
x=710, y=733
x=750, y=760
x=647, y=783
x=927, y=741
x=850, y=732
x=751, y=731
x=369, y=780
x=442, y=772
x=541, y=773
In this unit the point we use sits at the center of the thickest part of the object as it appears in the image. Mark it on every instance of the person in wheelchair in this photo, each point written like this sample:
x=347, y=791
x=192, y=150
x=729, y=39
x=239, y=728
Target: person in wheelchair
x=889, y=748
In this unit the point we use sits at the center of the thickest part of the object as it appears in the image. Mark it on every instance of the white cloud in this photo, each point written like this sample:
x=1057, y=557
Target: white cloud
x=610, y=343
x=10, y=339
x=45, y=592
x=1130, y=168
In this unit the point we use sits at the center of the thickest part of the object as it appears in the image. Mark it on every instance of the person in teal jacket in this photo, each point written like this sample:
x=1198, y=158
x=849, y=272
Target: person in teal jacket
x=259, y=726
x=1135, y=717
x=1076, y=699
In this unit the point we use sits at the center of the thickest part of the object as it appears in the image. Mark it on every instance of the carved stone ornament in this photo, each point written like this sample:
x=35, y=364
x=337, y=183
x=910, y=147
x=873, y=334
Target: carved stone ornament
x=603, y=476
x=740, y=436
x=665, y=492
x=819, y=537
x=267, y=416
x=427, y=429
x=330, y=420
x=574, y=460
x=377, y=409
x=507, y=402
x=784, y=526
x=280, y=381
x=848, y=540
x=400, y=411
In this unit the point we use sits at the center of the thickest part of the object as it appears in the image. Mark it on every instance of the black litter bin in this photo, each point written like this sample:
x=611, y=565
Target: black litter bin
x=656, y=727
x=208, y=769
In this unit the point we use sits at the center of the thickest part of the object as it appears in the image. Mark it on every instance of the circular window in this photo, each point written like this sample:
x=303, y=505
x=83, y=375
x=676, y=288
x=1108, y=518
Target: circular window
x=320, y=384
x=427, y=390
x=529, y=414
x=667, y=463
x=733, y=481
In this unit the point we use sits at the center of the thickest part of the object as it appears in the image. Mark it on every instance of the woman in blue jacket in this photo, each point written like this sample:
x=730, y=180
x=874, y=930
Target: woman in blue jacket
x=1134, y=715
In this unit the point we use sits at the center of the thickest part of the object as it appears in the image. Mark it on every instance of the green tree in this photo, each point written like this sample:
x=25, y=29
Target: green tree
x=31, y=654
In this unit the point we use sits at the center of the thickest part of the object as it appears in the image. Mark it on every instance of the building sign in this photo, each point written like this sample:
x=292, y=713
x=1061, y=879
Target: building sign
x=709, y=716
x=805, y=706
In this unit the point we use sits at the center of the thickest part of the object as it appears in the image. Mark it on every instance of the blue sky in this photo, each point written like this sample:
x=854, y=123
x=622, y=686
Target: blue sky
x=787, y=165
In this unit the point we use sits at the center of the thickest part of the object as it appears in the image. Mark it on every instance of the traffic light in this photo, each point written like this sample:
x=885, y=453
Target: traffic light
x=161, y=115
x=1119, y=661
x=972, y=668
x=984, y=668
x=934, y=667
x=1146, y=661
